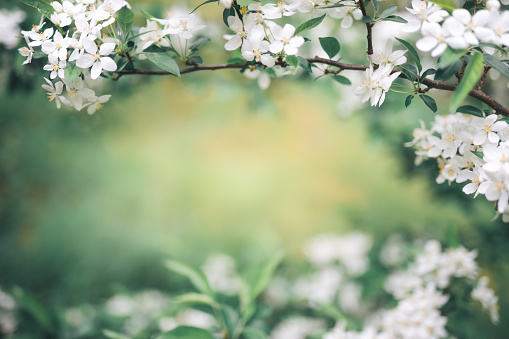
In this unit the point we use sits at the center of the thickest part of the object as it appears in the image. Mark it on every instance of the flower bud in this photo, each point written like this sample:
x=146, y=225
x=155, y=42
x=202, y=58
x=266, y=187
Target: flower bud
x=226, y=3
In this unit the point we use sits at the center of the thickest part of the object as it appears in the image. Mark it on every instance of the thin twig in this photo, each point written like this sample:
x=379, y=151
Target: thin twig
x=369, y=27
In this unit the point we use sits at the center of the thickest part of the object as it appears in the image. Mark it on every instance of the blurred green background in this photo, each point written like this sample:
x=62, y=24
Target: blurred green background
x=210, y=163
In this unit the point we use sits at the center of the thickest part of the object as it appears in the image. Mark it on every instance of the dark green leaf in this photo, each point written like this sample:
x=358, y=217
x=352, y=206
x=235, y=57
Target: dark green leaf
x=444, y=74
x=195, y=59
x=468, y=109
x=409, y=71
x=228, y=12
x=125, y=19
x=427, y=72
x=195, y=276
x=389, y=11
x=36, y=309
x=231, y=319
x=305, y=64
x=472, y=74
x=309, y=24
x=413, y=53
x=497, y=64
x=45, y=8
x=408, y=100
x=330, y=45
x=204, y=3
x=292, y=60
x=186, y=332
x=72, y=72
x=429, y=101
x=342, y=80
x=445, y=4
x=367, y=19
x=253, y=333
x=497, y=47
x=395, y=18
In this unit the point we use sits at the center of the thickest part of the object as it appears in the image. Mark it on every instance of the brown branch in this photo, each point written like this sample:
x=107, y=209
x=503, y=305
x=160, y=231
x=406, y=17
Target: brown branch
x=431, y=84
x=369, y=27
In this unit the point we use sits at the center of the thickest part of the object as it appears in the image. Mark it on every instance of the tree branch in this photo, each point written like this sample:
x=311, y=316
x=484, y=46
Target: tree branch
x=431, y=84
x=369, y=27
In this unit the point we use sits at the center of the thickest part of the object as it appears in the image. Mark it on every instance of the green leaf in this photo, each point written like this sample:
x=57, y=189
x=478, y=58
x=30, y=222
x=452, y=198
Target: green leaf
x=444, y=74
x=292, y=60
x=429, y=101
x=253, y=333
x=330, y=45
x=165, y=62
x=472, y=74
x=265, y=274
x=497, y=64
x=186, y=332
x=468, y=109
x=408, y=100
x=231, y=319
x=305, y=64
x=342, y=80
x=198, y=43
x=45, y=8
x=125, y=19
x=389, y=11
x=204, y=3
x=413, y=53
x=195, y=276
x=395, y=18
x=196, y=59
x=409, y=71
x=114, y=335
x=309, y=24
x=235, y=60
x=445, y=4
x=450, y=56
x=196, y=299
x=228, y=12
x=376, y=7
x=367, y=19
x=72, y=72
x=427, y=72
x=478, y=154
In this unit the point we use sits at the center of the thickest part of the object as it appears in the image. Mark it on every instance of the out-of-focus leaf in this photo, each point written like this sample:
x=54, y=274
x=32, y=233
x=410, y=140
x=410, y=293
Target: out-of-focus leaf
x=114, y=335
x=497, y=64
x=186, y=332
x=292, y=60
x=204, y=3
x=197, y=298
x=472, y=74
x=265, y=274
x=253, y=333
x=444, y=74
x=72, y=72
x=195, y=276
x=448, y=5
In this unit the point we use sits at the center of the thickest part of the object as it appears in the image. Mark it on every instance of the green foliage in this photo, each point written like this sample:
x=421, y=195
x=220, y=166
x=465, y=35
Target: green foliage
x=186, y=332
x=330, y=45
x=472, y=74
x=448, y=5
x=305, y=64
x=341, y=79
x=497, y=64
x=412, y=52
x=72, y=72
x=165, y=62
x=43, y=6
x=429, y=101
x=468, y=109
x=195, y=276
x=292, y=60
x=312, y=23
x=125, y=19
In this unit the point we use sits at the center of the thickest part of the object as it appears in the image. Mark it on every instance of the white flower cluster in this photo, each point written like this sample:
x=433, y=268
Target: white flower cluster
x=8, y=321
x=221, y=275
x=84, y=36
x=265, y=41
x=421, y=292
x=460, y=30
x=469, y=149
x=9, y=27
x=175, y=31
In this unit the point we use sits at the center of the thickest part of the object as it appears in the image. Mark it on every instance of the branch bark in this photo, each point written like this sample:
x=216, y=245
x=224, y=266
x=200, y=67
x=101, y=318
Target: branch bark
x=369, y=28
x=431, y=84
